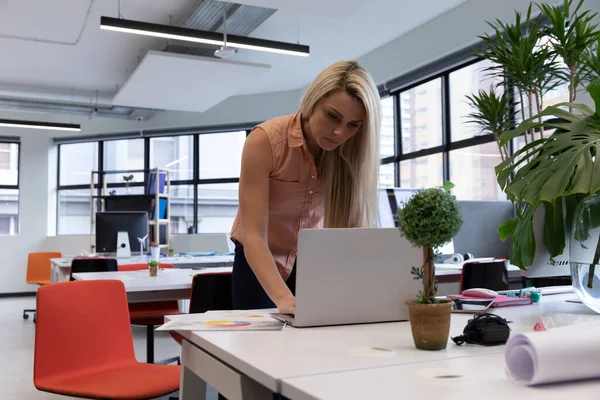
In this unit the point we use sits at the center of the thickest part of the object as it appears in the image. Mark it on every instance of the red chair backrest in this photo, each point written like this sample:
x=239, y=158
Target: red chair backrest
x=80, y=325
x=138, y=267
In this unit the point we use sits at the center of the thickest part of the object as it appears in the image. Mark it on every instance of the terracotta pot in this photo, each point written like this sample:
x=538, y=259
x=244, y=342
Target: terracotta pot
x=153, y=271
x=430, y=324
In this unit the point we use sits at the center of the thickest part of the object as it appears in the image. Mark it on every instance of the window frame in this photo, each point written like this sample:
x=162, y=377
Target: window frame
x=448, y=144
x=195, y=181
x=15, y=186
x=18, y=143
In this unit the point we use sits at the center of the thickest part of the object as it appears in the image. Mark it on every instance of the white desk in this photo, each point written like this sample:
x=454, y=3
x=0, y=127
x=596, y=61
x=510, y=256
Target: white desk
x=170, y=284
x=240, y=364
x=61, y=267
x=475, y=378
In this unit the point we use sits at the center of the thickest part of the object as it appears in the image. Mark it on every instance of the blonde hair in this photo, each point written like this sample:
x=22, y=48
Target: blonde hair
x=350, y=172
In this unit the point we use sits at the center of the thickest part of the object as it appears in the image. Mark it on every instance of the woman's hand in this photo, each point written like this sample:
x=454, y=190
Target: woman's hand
x=287, y=305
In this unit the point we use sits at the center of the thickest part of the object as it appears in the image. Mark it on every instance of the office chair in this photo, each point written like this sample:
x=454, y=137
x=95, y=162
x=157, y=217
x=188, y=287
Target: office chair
x=84, y=346
x=39, y=272
x=488, y=275
x=93, y=264
x=209, y=292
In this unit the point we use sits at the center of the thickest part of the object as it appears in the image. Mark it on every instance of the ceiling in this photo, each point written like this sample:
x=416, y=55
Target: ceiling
x=54, y=51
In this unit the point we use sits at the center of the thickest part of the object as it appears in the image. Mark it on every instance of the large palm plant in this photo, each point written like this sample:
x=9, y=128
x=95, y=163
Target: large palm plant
x=535, y=57
x=564, y=165
x=519, y=61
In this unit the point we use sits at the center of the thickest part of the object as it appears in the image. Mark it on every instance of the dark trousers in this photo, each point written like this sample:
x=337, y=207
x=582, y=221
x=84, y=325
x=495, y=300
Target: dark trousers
x=246, y=291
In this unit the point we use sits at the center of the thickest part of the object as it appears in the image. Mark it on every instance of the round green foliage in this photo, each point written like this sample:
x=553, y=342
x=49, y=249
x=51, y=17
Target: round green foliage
x=430, y=218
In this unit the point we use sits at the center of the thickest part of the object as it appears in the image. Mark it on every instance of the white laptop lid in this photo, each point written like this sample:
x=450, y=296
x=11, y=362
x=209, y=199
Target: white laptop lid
x=354, y=275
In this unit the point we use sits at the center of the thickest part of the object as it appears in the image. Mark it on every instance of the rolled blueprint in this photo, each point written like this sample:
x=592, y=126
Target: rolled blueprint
x=562, y=354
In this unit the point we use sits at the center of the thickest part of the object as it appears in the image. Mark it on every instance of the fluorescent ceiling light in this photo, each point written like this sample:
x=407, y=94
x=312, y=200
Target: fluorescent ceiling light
x=40, y=125
x=198, y=36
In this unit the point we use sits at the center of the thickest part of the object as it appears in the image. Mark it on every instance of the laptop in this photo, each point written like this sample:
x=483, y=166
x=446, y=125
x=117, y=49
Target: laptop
x=353, y=276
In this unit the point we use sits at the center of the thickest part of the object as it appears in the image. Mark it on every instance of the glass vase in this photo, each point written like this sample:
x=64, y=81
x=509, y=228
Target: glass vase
x=585, y=251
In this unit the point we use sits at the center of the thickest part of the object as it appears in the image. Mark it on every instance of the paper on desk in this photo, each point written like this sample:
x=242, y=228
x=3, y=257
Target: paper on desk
x=561, y=354
x=224, y=321
x=557, y=320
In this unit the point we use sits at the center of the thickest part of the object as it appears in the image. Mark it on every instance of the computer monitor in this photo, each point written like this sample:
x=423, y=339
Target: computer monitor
x=118, y=232
x=390, y=201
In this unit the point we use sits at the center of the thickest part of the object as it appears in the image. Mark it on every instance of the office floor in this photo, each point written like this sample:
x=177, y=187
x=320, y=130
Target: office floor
x=16, y=347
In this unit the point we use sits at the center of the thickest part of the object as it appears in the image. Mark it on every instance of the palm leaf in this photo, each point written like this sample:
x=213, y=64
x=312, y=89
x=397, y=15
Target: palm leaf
x=492, y=112
x=572, y=31
x=519, y=60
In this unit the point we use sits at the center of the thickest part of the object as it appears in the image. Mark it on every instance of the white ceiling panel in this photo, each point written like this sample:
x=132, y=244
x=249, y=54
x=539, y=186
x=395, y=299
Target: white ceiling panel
x=56, y=20
x=185, y=83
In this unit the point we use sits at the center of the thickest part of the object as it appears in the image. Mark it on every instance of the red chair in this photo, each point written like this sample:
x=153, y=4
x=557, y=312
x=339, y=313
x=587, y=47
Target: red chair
x=150, y=314
x=84, y=345
x=39, y=272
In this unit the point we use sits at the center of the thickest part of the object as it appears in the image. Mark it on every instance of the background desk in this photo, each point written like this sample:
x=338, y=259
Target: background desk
x=61, y=267
x=474, y=378
x=242, y=363
x=170, y=284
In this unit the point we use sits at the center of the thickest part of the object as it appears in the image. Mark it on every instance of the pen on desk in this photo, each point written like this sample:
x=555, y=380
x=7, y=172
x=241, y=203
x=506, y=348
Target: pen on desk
x=284, y=325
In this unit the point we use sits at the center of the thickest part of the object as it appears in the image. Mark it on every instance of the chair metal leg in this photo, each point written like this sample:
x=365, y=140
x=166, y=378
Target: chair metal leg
x=169, y=361
x=150, y=344
x=150, y=349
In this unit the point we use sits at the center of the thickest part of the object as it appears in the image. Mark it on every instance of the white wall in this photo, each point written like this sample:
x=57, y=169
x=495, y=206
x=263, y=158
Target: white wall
x=456, y=29
x=445, y=34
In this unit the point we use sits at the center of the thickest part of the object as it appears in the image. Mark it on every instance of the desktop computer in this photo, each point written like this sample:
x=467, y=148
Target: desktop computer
x=121, y=232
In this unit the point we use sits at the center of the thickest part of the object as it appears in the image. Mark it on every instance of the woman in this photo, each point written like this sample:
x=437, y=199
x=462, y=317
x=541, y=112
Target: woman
x=316, y=168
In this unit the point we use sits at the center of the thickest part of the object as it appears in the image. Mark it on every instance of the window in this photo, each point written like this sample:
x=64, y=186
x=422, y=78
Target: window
x=472, y=171
x=221, y=154
x=124, y=155
x=204, y=179
x=182, y=208
x=387, y=138
x=217, y=207
x=422, y=172
x=463, y=82
x=175, y=153
x=423, y=108
x=437, y=143
x=386, y=175
x=9, y=188
x=76, y=163
x=73, y=216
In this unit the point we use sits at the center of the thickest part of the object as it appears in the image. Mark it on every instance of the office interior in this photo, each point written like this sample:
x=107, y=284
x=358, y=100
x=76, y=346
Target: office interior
x=59, y=67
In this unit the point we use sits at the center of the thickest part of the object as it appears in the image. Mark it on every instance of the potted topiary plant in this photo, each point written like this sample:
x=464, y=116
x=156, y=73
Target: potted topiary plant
x=171, y=252
x=429, y=220
x=153, y=267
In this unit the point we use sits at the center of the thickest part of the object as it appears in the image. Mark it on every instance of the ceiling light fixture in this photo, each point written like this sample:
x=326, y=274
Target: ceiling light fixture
x=198, y=36
x=13, y=123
